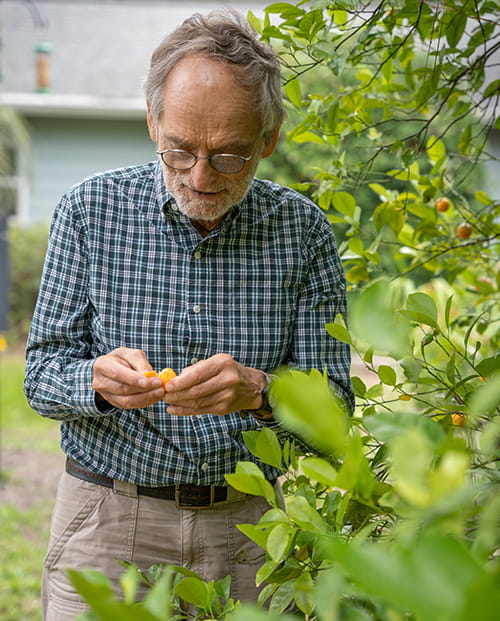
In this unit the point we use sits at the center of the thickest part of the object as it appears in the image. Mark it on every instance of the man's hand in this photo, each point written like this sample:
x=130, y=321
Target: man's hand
x=119, y=380
x=218, y=385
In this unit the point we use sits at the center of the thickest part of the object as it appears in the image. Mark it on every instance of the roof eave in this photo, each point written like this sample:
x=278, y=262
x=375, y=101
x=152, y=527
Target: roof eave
x=74, y=106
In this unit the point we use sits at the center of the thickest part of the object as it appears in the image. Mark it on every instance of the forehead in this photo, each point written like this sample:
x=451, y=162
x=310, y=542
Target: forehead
x=203, y=101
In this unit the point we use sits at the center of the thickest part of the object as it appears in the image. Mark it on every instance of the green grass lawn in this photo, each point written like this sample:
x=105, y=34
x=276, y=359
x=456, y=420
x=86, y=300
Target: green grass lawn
x=25, y=525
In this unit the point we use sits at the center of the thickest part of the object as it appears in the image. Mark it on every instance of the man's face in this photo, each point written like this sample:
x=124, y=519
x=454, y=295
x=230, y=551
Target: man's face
x=207, y=112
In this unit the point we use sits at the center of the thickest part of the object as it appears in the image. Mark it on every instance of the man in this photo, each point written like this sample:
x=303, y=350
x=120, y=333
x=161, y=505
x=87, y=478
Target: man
x=191, y=263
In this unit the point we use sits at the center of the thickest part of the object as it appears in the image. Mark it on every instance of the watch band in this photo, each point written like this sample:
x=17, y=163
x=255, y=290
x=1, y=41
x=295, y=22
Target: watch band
x=265, y=411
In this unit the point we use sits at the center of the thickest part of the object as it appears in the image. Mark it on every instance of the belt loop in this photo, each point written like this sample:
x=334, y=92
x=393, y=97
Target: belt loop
x=125, y=488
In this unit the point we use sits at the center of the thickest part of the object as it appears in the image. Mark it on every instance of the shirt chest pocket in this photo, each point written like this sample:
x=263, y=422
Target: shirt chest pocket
x=260, y=315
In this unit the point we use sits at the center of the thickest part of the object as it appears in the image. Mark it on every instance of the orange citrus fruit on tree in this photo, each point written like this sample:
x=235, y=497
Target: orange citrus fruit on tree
x=458, y=419
x=464, y=230
x=442, y=204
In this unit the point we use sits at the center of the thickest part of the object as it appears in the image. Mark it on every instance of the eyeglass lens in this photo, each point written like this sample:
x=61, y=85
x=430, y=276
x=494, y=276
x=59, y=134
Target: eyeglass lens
x=183, y=160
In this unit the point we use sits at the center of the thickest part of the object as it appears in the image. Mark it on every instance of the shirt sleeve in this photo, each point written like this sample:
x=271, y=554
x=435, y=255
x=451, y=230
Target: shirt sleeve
x=59, y=357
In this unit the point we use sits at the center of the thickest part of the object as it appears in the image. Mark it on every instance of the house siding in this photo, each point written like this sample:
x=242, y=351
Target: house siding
x=66, y=150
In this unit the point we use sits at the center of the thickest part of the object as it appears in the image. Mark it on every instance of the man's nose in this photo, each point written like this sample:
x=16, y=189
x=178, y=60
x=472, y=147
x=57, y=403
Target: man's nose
x=203, y=175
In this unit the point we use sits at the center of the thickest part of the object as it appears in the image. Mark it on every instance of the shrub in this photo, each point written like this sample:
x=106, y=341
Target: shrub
x=27, y=247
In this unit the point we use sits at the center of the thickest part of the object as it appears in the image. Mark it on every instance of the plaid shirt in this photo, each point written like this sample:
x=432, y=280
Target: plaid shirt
x=125, y=268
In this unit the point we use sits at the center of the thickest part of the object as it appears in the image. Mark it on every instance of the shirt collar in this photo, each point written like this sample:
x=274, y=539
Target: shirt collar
x=242, y=216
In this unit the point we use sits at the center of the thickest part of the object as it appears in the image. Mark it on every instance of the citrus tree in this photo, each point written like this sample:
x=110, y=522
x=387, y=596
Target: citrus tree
x=395, y=515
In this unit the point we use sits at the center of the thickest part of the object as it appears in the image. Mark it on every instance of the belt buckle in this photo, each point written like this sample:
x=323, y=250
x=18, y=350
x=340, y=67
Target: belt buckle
x=178, y=499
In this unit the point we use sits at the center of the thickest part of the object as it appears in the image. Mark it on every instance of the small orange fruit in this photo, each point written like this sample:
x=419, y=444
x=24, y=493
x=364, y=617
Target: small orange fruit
x=442, y=204
x=464, y=230
x=165, y=375
x=458, y=419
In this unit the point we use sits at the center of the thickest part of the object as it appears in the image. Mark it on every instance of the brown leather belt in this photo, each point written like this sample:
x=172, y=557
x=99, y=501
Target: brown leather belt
x=186, y=496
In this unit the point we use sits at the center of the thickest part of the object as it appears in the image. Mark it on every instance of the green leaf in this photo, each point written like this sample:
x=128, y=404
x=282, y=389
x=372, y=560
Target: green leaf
x=282, y=597
x=355, y=473
x=486, y=540
x=442, y=571
x=283, y=8
x=344, y=203
x=387, y=375
x=251, y=612
x=254, y=533
x=374, y=320
x=492, y=89
x=293, y=92
x=488, y=366
x=273, y=516
x=301, y=512
x=129, y=581
x=356, y=246
x=455, y=26
x=483, y=198
x=359, y=386
x=264, y=444
x=194, y=591
x=464, y=141
x=304, y=593
x=157, y=600
x=447, y=311
x=252, y=484
x=338, y=330
x=254, y=21
x=319, y=469
x=340, y=17
x=376, y=390
x=421, y=307
x=301, y=137
x=278, y=541
x=96, y=590
x=305, y=404
x=435, y=149
x=265, y=571
x=248, y=467
x=486, y=399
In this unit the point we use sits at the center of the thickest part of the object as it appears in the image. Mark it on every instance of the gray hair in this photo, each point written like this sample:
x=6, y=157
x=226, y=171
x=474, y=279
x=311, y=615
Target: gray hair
x=223, y=35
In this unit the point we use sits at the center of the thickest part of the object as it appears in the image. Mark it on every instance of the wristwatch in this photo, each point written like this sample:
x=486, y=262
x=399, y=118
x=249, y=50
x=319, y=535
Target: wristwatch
x=265, y=411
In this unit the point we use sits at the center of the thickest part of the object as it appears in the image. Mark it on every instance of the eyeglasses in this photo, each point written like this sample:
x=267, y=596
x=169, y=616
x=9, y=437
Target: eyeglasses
x=178, y=159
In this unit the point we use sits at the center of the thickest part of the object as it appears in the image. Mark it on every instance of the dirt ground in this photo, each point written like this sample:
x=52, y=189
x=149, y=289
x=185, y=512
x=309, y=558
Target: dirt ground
x=30, y=476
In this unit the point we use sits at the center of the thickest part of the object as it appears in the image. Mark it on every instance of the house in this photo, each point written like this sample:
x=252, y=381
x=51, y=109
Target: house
x=73, y=70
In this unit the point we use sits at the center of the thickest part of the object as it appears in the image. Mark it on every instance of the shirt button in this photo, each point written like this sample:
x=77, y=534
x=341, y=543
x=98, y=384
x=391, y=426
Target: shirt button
x=194, y=360
x=204, y=467
x=196, y=308
x=197, y=255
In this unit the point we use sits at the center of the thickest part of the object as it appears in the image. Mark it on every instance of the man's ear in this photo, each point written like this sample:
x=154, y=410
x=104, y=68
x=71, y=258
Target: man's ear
x=151, y=125
x=271, y=143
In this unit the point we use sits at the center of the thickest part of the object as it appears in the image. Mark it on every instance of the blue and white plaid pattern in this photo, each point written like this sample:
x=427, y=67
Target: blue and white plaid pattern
x=125, y=268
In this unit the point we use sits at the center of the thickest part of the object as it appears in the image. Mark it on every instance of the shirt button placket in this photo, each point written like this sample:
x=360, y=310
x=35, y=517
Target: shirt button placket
x=195, y=307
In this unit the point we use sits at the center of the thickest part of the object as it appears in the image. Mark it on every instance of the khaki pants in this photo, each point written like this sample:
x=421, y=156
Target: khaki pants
x=93, y=525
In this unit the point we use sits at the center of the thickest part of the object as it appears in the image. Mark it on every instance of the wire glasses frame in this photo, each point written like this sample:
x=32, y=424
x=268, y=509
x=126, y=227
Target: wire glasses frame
x=225, y=163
